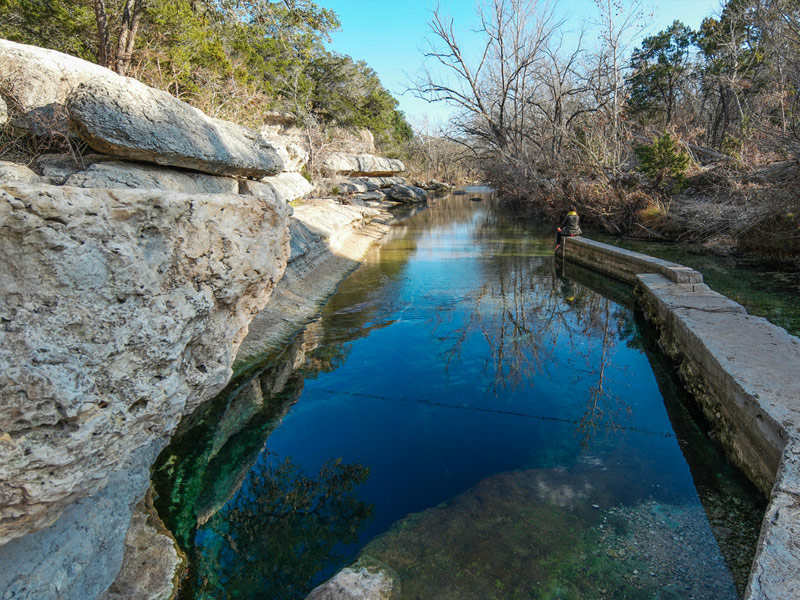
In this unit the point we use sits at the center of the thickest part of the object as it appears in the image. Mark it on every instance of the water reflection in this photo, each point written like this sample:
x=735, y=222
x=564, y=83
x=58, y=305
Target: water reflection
x=460, y=353
x=279, y=530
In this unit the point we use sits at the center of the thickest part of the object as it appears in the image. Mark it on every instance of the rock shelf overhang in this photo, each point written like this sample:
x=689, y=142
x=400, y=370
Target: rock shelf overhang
x=742, y=370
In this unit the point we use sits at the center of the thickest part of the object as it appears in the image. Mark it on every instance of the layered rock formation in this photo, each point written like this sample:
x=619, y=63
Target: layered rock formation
x=327, y=242
x=123, y=117
x=362, y=165
x=123, y=309
x=127, y=289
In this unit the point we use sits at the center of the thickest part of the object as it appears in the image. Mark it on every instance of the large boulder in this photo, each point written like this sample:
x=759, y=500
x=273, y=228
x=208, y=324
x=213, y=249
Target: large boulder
x=293, y=155
x=120, y=174
x=13, y=172
x=35, y=83
x=121, y=116
x=284, y=187
x=358, y=165
x=122, y=310
x=117, y=115
x=407, y=193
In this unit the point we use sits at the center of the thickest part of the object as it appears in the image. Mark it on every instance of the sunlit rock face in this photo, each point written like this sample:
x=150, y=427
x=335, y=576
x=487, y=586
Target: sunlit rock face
x=121, y=311
x=366, y=165
x=123, y=117
x=48, y=92
x=36, y=82
x=284, y=186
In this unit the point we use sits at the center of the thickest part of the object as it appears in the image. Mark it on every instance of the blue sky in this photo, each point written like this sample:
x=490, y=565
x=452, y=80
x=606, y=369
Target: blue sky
x=389, y=35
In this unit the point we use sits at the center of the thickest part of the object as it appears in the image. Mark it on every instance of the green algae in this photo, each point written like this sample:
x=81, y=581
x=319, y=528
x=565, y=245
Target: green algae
x=539, y=534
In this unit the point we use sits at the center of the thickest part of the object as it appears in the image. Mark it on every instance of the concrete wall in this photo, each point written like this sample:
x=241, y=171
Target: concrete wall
x=743, y=371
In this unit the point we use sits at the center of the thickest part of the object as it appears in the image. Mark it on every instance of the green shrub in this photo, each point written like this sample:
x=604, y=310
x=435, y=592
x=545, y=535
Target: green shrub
x=665, y=161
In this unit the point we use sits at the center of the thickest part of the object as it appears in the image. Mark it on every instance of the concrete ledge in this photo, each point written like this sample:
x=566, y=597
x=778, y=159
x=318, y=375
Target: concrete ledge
x=743, y=372
x=624, y=264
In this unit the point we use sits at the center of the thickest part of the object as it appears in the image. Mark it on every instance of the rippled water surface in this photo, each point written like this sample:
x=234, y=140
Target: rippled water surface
x=486, y=422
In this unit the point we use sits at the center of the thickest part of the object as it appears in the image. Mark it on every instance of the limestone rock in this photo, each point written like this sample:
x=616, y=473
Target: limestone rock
x=153, y=564
x=385, y=182
x=122, y=311
x=35, y=83
x=123, y=117
x=368, y=579
x=3, y=112
x=120, y=174
x=13, y=172
x=78, y=556
x=407, y=193
x=327, y=241
x=284, y=187
x=437, y=186
x=349, y=141
x=362, y=164
x=293, y=155
x=374, y=196
x=56, y=168
x=351, y=185
x=356, y=185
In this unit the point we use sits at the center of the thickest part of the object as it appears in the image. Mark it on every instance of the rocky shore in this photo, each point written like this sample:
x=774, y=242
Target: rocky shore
x=131, y=275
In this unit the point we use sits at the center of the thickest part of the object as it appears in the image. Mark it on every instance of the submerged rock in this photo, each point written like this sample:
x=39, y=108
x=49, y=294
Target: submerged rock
x=368, y=579
x=536, y=534
x=407, y=193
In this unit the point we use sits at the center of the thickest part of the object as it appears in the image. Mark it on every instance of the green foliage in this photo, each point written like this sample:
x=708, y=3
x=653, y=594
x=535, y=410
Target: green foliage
x=665, y=161
x=660, y=68
x=63, y=25
x=232, y=58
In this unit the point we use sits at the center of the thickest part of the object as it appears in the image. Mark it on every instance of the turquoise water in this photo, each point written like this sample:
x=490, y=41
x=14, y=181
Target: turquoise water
x=485, y=422
x=763, y=290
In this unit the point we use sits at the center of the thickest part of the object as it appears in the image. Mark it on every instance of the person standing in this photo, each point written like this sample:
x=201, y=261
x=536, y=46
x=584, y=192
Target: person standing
x=570, y=226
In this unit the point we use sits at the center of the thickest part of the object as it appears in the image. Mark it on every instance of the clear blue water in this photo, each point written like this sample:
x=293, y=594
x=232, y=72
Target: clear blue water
x=458, y=356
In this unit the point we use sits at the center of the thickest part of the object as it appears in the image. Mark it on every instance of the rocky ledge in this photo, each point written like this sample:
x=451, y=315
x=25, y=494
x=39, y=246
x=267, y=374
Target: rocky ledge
x=121, y=311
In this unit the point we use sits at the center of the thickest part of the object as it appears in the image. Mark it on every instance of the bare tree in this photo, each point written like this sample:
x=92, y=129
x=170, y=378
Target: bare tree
x=490, y=92
x=618, y=24
x=130, y=17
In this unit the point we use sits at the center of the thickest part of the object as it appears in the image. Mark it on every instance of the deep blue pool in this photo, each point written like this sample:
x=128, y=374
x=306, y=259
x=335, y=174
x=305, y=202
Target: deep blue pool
x=483, y=420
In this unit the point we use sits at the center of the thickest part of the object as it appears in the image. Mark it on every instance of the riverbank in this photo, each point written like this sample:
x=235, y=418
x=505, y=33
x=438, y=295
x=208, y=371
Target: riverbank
x=327, y=241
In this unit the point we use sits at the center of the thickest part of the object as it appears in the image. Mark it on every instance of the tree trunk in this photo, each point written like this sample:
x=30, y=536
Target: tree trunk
x=127, y=36
x=104, y=46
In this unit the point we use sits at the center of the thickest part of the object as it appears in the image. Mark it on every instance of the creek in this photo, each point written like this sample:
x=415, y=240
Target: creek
x=485, y=421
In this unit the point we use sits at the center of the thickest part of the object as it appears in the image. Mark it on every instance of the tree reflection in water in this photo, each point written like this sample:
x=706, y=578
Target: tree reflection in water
x=279, y=530
x=527, y=310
